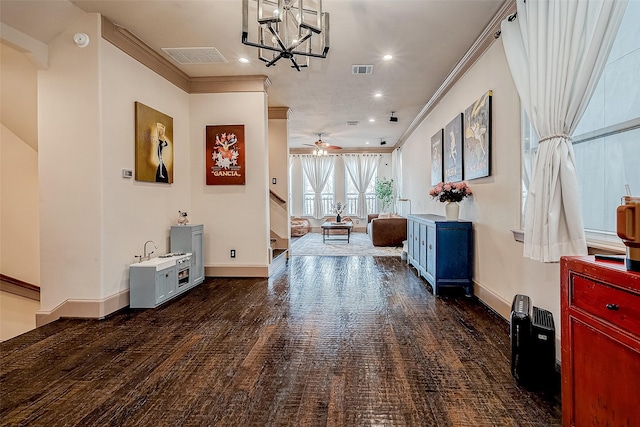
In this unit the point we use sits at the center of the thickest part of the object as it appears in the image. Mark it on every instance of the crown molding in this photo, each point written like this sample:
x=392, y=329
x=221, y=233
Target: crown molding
x=279, y=113
x=222, y=84
x=362, y=150
x=124, y=40
x=477, y=49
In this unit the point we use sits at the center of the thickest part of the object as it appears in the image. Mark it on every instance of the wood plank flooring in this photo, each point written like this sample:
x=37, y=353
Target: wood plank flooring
x=326, y=341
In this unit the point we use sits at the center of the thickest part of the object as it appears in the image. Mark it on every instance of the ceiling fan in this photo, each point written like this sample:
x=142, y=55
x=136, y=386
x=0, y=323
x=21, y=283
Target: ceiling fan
x=323, y=145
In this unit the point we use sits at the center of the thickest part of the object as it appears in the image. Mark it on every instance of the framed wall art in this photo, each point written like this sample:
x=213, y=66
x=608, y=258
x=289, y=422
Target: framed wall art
x=477, y=138
x=153, y=145
x=225, y=154
x=453, y=150
x=436, y=158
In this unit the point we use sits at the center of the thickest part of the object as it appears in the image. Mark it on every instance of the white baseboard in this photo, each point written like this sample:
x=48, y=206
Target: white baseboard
x=239, y=271
x=492, y=300
x=86, y=309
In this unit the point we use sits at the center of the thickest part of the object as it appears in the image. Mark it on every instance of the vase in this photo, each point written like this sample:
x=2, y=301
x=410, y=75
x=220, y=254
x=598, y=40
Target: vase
x=452, y=211
x=338, y=218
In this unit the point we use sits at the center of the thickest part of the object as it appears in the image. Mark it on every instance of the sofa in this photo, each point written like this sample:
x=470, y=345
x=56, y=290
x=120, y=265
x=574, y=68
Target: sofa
x=386, y=230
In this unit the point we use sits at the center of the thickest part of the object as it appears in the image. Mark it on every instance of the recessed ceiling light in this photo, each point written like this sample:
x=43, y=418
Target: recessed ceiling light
x=372, y=120
x=378, y=95
x=387, y=57
x=367, y=142
x=244, y=60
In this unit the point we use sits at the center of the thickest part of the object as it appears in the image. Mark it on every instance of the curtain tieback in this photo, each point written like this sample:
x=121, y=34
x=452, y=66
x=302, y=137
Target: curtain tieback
x=558, y=135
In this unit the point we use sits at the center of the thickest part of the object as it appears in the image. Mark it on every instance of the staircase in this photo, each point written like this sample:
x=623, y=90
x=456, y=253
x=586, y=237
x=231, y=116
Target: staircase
x=279, y=217
x=277, y=256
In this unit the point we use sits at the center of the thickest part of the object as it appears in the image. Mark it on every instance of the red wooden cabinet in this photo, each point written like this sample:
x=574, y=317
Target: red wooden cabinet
x=600, y=315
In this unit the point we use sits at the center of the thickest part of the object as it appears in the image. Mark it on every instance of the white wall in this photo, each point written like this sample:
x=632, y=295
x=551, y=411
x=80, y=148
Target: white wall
x=500, y=271
x=234, y=216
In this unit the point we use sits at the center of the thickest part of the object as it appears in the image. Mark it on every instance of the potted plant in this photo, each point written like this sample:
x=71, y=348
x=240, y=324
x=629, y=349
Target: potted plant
x=384, y=192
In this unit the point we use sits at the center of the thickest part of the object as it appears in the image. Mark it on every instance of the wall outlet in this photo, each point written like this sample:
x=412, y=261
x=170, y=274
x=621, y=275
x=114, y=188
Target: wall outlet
x=232, y=253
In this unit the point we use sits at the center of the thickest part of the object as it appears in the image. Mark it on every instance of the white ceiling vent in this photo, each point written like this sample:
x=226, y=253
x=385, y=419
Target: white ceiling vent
x=195, y=55
x=362, y=69
x=353, y=123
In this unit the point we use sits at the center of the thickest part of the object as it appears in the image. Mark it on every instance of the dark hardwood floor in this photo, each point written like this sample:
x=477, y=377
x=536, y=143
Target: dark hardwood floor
x=337, y=341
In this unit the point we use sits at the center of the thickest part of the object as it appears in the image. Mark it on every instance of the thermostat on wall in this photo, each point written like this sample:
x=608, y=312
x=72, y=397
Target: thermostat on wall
x=127, y=173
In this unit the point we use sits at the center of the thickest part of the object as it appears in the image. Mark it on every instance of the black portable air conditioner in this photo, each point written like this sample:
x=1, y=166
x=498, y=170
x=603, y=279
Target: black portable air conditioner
x=533, y=348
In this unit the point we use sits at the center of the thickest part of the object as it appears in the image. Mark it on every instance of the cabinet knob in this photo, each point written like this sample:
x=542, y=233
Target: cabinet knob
x=430, y=247
x=612, y=307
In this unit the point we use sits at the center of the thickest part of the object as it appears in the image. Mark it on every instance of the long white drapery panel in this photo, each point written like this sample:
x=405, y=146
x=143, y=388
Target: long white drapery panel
x=396, y=172
x=317, y=169
x=556, y=50
x=361, y=168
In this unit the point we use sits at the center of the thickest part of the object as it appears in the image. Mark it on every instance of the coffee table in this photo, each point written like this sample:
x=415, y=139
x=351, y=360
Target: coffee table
x=328, y=226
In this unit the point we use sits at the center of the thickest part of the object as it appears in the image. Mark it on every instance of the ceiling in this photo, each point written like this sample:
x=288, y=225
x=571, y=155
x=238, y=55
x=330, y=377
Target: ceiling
x=426, y=38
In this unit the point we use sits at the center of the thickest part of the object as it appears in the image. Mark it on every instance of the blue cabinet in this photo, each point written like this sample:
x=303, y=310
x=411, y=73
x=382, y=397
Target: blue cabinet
x=441, y=251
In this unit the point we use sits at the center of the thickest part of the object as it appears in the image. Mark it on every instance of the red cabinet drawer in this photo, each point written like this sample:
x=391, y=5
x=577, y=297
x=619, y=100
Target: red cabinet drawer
x=614, y=305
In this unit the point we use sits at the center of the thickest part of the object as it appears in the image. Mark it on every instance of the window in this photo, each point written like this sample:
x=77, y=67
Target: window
x=328, y=196
x=352, y=196
x=606, y=142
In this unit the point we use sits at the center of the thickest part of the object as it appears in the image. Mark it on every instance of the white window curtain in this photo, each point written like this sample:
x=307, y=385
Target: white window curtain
x=396, y=172
x=318, y=170
x=556, y=50
x=361, y=168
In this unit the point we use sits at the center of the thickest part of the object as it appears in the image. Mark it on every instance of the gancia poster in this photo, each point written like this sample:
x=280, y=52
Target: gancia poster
x=225, y=155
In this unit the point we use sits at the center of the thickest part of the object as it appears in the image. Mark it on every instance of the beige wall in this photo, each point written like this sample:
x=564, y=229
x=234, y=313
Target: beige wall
x=70, y=169
x=234, y=216
x=19, y=205
x=500, y=271
x=93, y=221
x=19, y=210
x=279, y=169
x=137, y=211
x=19, y=92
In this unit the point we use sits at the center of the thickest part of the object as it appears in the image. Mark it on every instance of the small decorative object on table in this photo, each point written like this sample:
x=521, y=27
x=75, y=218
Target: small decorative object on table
x=338, y=208
x=182, y=218
x=451, y=193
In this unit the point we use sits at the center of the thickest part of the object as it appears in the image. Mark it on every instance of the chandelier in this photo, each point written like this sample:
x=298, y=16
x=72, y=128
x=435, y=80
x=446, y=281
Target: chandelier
x=288, y=29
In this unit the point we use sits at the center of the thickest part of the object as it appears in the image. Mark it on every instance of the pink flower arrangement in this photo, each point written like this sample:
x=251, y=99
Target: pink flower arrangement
x=450, y=191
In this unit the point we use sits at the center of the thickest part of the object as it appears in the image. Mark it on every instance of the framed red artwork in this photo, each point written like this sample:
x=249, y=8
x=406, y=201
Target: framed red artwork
x=225, y=155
